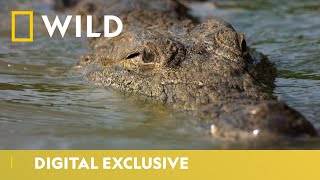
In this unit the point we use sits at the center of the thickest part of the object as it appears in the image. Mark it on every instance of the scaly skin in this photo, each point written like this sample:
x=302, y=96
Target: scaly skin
x=205, y=69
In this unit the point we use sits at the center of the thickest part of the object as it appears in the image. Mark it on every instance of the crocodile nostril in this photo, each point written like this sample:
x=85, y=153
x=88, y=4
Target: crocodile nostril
x=134, y=55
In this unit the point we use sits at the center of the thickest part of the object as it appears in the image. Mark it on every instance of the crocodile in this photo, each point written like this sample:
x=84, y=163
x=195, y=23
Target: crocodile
x=204, y=69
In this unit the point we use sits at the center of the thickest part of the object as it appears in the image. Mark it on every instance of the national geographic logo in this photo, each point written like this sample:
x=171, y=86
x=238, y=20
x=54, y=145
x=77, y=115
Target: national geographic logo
x=51, y=27
x=13, y=26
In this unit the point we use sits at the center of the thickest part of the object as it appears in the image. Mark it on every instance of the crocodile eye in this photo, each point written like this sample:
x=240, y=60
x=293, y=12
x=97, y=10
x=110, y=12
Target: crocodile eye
x=132, y=56
x=244, y=46
x=148, y=56
x=242, y=42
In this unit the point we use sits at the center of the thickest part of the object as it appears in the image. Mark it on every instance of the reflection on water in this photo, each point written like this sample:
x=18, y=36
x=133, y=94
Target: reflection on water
x=45, y=106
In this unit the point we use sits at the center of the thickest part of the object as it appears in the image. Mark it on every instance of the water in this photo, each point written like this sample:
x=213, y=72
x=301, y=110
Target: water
x=44, y=105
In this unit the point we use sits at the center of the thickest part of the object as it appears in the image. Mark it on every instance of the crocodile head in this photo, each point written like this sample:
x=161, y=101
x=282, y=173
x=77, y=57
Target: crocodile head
x=201, y=68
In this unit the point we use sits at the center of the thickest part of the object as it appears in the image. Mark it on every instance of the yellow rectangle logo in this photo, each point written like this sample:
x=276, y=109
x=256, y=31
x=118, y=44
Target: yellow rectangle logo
x=13, y=26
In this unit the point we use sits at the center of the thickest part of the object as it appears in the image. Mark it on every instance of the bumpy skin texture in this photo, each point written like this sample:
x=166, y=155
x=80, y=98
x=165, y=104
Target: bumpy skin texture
x=99, y=8
x=204, y=68
x=63, y=4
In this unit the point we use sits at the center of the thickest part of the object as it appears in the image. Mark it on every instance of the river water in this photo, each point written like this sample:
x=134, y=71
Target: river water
x=44, y=105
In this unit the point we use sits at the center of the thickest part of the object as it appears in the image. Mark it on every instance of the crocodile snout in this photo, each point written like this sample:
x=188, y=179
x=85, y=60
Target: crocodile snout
x=268, y=119
x=278, y=118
